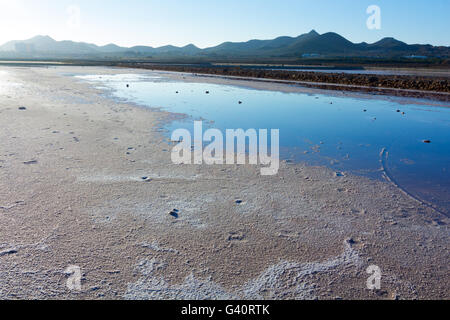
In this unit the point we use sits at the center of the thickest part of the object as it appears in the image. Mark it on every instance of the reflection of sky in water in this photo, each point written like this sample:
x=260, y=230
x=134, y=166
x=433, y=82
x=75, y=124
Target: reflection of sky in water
x=118, y=78
x=317, y=129
x=2, y=82
x=6, y=85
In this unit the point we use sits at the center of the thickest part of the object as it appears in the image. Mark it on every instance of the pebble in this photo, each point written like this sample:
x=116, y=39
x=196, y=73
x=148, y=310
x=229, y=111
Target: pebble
x=175, y=213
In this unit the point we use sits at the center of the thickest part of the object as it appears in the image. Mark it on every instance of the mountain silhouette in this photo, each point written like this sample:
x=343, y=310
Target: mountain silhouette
x=310, y=44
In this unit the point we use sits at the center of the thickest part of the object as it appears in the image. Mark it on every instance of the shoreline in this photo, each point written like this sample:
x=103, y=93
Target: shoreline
x=402, y=86
x=270, y=85
x=338, y=82
x=293, y=87
x=83, y=202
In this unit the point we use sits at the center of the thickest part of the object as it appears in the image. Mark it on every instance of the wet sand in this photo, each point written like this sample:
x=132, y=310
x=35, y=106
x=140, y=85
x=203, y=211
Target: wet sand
x=72, y=193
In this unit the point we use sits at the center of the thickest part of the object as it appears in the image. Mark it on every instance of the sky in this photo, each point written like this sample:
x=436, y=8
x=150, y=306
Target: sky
x=207, y=23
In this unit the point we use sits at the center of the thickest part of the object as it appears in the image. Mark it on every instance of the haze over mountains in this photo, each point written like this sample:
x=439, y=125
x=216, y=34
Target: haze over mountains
x=311, y=44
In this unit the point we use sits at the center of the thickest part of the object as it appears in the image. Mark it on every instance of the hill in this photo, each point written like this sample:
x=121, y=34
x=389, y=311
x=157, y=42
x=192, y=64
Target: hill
x=311, y=44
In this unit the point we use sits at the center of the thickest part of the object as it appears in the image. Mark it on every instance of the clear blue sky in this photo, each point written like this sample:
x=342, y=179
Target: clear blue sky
x=210, y=22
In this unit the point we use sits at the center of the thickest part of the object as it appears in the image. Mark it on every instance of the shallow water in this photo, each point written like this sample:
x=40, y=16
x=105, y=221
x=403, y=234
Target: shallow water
x=346, y=134
x=6, y=85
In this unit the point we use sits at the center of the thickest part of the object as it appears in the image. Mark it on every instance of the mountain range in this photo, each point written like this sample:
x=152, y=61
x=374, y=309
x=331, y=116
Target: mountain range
x=311, y=44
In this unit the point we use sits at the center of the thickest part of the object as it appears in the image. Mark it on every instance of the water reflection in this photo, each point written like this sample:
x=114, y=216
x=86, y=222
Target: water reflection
x=344, y=133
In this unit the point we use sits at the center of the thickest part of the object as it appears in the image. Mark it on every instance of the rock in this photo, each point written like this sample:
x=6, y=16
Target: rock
x=240, y=102
x=128, y=85
x=381, y=293
x=207, y=92
x=8, y=252
x=236, y=236
x=238, y=201
x=30, y=162
x=22, y=108
x=426, y=141
x=174, y=213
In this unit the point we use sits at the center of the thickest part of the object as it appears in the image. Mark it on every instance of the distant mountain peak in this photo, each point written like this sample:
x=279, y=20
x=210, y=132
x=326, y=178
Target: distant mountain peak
x=41, y=37
x=190, y=46
x=314, y=33
x=390, y=42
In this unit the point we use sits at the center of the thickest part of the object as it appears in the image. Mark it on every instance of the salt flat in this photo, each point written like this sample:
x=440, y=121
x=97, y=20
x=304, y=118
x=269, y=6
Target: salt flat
x=71, y=193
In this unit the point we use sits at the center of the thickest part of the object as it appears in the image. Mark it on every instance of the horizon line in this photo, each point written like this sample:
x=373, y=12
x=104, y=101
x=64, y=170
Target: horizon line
x=212, y=46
